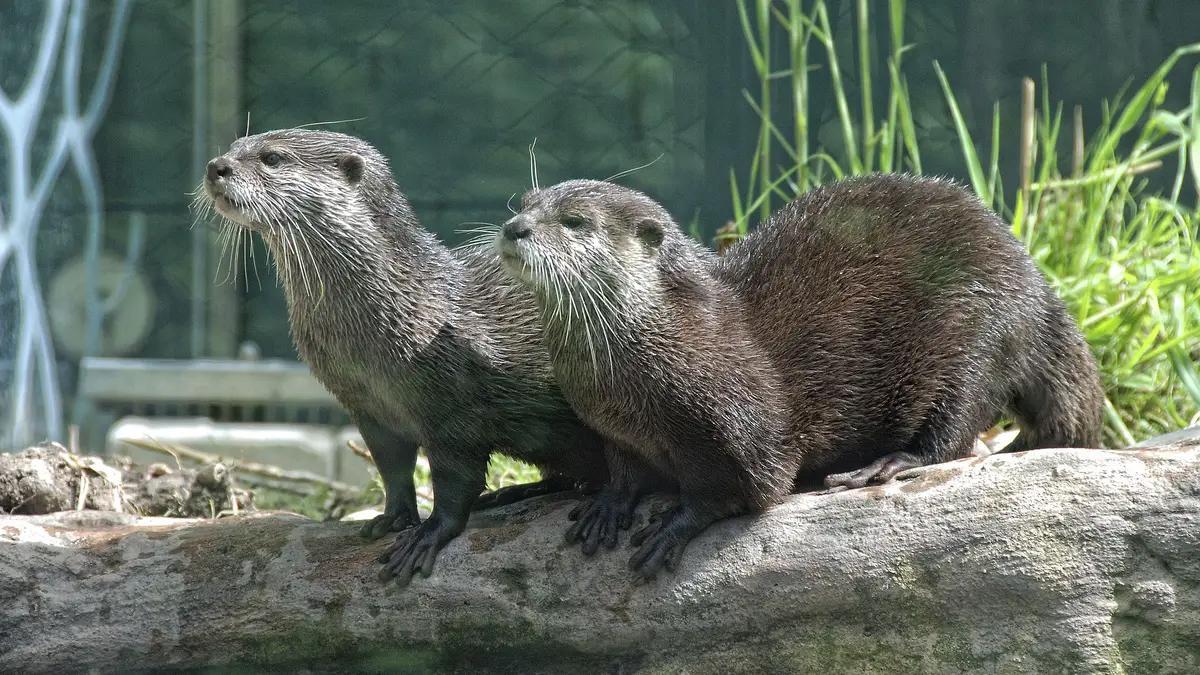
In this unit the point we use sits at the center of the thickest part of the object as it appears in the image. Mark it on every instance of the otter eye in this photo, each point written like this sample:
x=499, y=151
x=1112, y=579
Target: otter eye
x=572, y=222
x=272, y=159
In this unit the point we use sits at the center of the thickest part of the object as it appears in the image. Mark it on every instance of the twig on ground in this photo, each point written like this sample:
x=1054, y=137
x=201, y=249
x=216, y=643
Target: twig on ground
x=245, y=467
x=360, y=451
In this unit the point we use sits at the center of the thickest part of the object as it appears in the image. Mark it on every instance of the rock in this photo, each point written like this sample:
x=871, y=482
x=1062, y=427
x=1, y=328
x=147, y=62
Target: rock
x=186, y=492
x=1045, y=561
x=48, y=478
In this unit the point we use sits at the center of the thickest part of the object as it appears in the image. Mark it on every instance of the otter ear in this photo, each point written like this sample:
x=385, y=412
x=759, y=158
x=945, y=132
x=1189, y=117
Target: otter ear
x=650, y=232
x=352, y=166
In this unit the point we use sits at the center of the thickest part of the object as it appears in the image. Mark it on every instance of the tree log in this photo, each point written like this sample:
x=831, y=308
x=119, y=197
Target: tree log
x=1045, y=561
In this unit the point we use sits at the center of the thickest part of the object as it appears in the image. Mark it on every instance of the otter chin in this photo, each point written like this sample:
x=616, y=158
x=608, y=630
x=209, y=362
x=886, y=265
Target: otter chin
x=872, y=325
x=514, y=257
x=229, y=208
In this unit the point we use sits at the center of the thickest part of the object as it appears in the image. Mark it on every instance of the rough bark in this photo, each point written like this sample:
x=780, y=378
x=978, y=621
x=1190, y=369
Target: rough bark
x=1047, y=561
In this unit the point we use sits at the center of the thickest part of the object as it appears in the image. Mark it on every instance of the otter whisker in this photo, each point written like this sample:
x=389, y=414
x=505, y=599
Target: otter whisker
x=587, y=335
x=545, y=280
x=558, y=291
x=490, y=228
x=480, y=241
x=533, y=174
x=244, y=240
x=296, y=261
x=592, y=297
x=341, y=257
x=508, y=204
x=595, y=296
x=317, y=124
x=225, y=226
x=254, y=265
x=626, y=172
x=316, y=268
x=288, y=253
x=235, y=242
x=291, y=261
x=201, y=206
x=301, y=223
x=484, y=234
x=225, y=239
x=235, y=234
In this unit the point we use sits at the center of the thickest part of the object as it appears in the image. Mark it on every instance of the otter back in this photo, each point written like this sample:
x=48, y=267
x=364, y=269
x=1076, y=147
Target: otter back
x=906, y=317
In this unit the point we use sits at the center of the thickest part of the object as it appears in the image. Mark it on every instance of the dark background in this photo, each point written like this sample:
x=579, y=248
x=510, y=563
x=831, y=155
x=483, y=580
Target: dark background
x=454, y=93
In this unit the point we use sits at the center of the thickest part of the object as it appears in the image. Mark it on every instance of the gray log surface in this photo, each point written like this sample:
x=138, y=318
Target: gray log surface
x=1045, y=561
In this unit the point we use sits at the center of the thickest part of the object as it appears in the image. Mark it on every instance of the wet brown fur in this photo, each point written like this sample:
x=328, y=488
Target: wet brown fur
x=423, y=345
x=885, y=318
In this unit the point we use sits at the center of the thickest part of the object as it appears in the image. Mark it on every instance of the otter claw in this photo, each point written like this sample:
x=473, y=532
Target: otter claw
x=416, y=549
x=880, y=471
x=599, y=521
x=384, y=523
x=661, y=544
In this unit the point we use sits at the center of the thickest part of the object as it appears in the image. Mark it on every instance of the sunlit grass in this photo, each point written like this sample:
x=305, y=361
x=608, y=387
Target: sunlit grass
x=1123, y=256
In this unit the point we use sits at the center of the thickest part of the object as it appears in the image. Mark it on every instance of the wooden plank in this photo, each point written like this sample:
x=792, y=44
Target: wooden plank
x=203, y=380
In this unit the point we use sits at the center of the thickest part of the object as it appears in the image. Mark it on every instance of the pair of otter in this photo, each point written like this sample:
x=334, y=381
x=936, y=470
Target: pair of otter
x=883, y=321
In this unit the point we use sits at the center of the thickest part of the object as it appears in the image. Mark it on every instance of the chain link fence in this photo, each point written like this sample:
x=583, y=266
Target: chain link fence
x=454, y=94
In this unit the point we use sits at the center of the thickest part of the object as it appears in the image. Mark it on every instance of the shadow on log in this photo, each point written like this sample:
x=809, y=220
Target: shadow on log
x=1046, y=561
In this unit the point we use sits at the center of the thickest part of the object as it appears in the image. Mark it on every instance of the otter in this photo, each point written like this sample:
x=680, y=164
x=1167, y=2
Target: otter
x=870, y=326
x=424, y=346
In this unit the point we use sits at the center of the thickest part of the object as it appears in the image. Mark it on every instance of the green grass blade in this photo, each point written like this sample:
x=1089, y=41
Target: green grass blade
x=974, y=169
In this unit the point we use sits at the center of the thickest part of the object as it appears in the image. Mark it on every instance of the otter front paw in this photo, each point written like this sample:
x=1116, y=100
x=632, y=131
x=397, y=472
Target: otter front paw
x=880, y=471
x=385, y=522
x=598, y=520
x=661, y=543
x=416, y=549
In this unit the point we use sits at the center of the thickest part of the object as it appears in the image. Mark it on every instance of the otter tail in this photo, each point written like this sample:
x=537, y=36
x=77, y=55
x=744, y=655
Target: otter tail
x=1059, y=403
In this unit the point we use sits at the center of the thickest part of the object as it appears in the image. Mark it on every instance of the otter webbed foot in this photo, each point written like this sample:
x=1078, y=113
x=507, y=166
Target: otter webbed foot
x=661, y=541
x=880, y=471
x=515, y=493
x=416, y=549
x=389, y=522
x=599, y=519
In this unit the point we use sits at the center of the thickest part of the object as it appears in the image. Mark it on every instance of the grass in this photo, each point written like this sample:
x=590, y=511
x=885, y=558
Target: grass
x=1122, y=254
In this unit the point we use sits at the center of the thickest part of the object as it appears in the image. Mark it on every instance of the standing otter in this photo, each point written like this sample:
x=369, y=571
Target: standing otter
x=424, y=346
x=883, y=320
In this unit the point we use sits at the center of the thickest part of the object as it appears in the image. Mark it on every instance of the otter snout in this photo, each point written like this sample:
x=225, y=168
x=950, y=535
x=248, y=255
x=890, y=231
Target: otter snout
x=220, y=167
x=218, y=178
x=517, y=228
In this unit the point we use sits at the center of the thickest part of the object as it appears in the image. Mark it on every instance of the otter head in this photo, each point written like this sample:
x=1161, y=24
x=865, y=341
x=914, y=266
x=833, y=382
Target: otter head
x=284, y=183
x=582, y=237
x=319, y=199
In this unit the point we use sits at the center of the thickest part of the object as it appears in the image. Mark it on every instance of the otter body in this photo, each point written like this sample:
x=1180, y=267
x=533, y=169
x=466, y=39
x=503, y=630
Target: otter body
x=883, y=321
x=423, y=346
x=910, y=309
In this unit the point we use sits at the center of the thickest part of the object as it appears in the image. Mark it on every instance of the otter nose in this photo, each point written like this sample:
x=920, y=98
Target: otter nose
x=219, y=168
x=517, y=228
